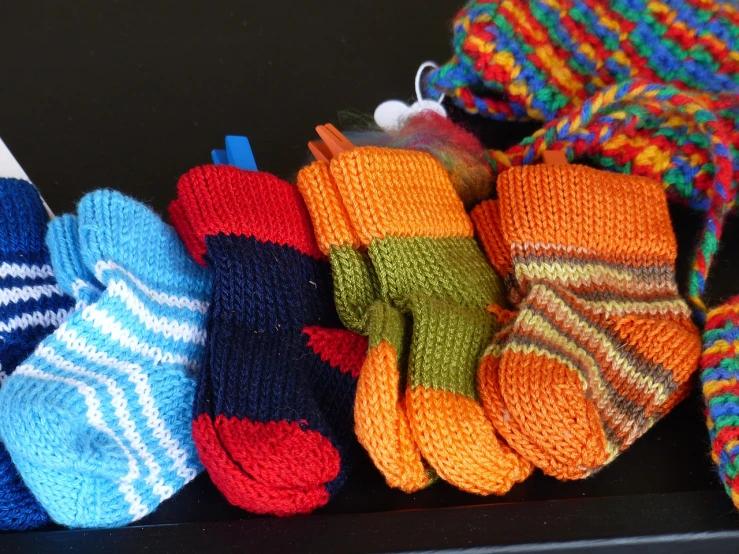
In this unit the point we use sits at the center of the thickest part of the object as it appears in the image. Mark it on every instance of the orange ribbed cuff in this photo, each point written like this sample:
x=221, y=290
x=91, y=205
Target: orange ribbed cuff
x=620, y=218
x=399, y=193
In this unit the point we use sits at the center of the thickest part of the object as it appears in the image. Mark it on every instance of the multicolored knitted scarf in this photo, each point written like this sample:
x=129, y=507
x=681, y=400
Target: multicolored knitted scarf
x=634, y=86
x=539, y=59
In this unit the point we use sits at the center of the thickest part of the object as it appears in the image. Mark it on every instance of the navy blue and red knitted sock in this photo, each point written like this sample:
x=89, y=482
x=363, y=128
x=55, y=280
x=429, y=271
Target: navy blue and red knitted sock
x=31, y=306
x=273, y=409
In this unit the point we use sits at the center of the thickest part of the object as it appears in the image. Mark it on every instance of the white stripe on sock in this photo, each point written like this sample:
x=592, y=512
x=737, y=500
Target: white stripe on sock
x=136, y=375
x=24, y=294
x=170, y=328
x=120, y=405
x=109, y=326
x=25, y=271
x=81, y=284
x=158, y=296
x=95, y=418
x=34, y=319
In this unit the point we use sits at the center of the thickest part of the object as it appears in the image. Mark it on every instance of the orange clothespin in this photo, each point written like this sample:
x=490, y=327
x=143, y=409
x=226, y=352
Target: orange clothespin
x=333, y=143
x=554, y=157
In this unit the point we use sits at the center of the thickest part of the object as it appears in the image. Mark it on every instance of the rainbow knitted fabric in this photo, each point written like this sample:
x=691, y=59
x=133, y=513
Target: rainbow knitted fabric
x=720, y=381
x=542, y=58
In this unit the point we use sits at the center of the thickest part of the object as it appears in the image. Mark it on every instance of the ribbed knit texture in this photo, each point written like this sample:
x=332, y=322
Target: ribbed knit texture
x=31, y=306
x=541, y=58
x=720, y=380
x=428, y=286
x=97, y=420
x=601, y=346
x=272, y=416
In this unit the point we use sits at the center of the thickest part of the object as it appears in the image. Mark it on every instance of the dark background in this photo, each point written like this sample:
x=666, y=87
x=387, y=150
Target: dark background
x=105, y=94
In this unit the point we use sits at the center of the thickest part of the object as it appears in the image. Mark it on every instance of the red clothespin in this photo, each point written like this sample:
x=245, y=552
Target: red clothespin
x=332, y=144
x=554, y=157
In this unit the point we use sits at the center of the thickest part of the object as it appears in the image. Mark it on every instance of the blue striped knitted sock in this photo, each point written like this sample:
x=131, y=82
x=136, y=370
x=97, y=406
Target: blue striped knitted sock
x=31, y=307
x=97, y=420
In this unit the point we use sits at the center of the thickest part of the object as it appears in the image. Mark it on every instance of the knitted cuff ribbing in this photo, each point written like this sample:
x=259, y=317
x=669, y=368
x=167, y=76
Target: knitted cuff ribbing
x=581, y=211
x=224, y=199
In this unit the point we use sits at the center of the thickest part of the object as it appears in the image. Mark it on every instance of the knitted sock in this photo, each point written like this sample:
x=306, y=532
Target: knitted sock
x=601, y=322
x=97, y=419
x=407, y=215
x=720, y=380
x=381, y=424
x=272, y=418
x=31, y=306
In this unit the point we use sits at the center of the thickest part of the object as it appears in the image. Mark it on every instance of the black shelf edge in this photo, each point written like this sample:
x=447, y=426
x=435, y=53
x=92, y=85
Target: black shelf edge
x=675, y=522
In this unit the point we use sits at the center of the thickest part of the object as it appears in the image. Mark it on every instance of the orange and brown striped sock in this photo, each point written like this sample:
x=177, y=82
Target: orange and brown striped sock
x=408, y=217
x=602, y=345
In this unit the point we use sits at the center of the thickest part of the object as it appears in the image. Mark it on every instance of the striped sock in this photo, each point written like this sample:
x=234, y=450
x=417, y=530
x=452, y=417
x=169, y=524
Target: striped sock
x=601, y=322
x=381, y=423
x=407, y=215
x=272, y=417
x=97, y=420
x=31, y=306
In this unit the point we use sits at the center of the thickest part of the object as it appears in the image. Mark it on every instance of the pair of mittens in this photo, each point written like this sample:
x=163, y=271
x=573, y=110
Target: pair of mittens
x=601, y=345
x=273, y=409
x=97, y=419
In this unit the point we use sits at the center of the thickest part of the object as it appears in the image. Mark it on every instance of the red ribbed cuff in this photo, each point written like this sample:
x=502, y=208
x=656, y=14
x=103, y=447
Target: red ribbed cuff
x=223, y=199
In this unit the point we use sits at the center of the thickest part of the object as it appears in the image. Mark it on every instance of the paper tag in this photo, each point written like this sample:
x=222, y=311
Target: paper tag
x=9, y=167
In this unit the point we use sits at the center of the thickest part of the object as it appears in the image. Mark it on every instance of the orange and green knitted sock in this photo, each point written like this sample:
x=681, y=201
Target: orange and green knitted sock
x=379, y=409
x=602, y=345
x=407, y=215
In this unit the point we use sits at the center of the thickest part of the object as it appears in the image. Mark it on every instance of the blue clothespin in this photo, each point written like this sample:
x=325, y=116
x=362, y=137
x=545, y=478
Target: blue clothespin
x=237, y=153
x=219, y=157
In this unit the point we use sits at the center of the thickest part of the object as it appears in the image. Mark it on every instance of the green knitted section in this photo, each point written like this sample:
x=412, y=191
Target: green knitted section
x=451, y=269
x=385, y=323
x=446, y=345
x=355, y=286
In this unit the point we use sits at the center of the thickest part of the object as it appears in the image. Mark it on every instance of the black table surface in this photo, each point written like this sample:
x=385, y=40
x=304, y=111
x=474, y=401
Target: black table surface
x=111, y=94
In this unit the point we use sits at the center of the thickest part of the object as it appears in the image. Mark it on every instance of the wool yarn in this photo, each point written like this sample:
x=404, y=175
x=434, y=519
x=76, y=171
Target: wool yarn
x=402, y=209
x=97, y=419
x=32, y=305
x=542, y=59
x=273, y=409
x=601, y=345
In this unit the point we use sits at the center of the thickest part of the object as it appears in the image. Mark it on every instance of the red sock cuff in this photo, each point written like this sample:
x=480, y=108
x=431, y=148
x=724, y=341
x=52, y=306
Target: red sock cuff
x=223, y=199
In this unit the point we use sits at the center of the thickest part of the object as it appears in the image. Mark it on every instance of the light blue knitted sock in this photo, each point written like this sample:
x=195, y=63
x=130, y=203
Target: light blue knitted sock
x=98, y=419
x=72, y=275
